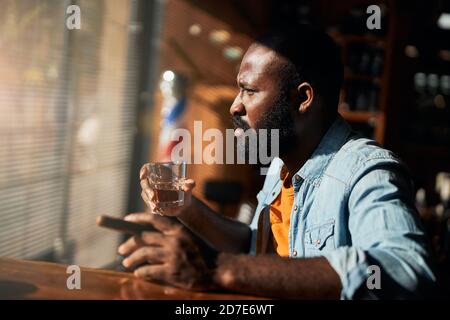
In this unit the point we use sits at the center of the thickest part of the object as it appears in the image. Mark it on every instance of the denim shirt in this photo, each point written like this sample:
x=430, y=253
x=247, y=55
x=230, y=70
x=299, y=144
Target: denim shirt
x=353, y=205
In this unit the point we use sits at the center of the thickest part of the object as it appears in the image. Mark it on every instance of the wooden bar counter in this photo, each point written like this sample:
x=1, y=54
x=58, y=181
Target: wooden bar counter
x=20, y=279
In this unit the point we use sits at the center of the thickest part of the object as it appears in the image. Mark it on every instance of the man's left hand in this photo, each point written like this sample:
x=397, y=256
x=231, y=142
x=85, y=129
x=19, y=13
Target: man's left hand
x=173, y=255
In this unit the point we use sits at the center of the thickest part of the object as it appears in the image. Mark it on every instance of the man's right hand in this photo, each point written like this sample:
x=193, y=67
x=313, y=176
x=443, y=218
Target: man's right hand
x=148, y=195
x=219, y=232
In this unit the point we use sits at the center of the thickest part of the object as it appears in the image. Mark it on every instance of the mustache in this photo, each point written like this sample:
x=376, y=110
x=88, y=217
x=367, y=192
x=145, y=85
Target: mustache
x=239, y=123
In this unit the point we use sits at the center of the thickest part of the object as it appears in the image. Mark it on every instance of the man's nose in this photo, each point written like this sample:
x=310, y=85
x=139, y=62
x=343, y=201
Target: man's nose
x=237, y=107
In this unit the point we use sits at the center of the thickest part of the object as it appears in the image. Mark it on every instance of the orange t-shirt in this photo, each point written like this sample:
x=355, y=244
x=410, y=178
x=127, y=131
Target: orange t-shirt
x=280, y=216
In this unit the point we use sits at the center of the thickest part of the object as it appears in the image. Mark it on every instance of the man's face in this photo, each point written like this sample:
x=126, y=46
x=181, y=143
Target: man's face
x=262, y=102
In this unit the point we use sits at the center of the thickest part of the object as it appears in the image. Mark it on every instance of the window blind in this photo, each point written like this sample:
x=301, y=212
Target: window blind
x=68, y=103
x=32, y=126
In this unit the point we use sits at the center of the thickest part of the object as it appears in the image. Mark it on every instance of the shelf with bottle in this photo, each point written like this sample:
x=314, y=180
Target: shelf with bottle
x=360, y=96
x=428, y=119
x=367, y=59
x=352, y=25
x=368, y=123
x=364, y=60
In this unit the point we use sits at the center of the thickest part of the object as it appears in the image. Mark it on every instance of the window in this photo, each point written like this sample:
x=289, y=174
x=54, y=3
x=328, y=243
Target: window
x=67, y=122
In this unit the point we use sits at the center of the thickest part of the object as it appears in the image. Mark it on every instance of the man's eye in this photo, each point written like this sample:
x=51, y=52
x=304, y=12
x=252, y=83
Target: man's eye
x=249, y=91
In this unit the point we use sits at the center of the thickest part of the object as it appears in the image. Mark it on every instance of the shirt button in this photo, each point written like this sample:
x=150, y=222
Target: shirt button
x=273, y=193
x=297, y=178
x=318, y=241
x=295, y=208
x=294, y=253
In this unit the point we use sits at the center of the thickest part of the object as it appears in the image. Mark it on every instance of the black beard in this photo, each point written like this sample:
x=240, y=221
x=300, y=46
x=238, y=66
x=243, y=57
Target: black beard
x=279, y=117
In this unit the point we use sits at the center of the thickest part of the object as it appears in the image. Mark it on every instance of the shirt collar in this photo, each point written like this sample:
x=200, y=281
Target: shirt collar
x=315, y=166
x=331, y=142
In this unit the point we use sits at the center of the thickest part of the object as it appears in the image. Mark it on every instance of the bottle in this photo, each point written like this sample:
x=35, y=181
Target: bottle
x=445, y=90
x=362, y=99
x=372, y=99
x=377, y=64
x=432, y=85
x=364, y=63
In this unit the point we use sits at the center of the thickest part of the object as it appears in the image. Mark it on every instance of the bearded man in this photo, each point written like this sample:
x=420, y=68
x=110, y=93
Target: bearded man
x=335, y=208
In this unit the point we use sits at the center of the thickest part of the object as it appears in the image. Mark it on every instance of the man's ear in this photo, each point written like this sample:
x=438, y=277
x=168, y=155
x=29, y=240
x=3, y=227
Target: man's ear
x=306, y=94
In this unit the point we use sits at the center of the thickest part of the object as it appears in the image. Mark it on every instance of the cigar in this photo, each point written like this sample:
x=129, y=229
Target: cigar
x=128, y=227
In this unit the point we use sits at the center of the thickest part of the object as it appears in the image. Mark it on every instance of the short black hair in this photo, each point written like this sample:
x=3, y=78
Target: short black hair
x=312, y=56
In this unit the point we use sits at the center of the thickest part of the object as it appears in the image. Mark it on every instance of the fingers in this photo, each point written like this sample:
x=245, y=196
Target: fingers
x=167, y=212
x=145, y=185
x=161, y=223
x=165, y=224
x=135, y=242
x=151, y=272
x=153, y=238
x=139, y=217
x=151, y=205
x=148, y=198
x=146, y=189
x=144, y=255
x=188, y=185
x=147, y=193
x=130, y=245
x=143, y=172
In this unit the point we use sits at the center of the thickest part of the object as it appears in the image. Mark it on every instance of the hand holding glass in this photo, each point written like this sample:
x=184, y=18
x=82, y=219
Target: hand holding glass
x=164, y=186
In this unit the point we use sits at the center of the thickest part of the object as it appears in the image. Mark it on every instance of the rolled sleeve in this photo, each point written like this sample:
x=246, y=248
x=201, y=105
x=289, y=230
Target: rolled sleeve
x=351, y=265
x=385, y=232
